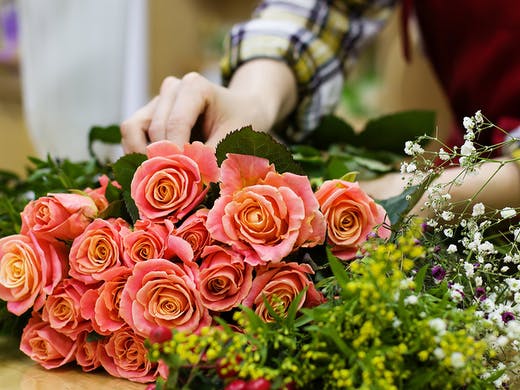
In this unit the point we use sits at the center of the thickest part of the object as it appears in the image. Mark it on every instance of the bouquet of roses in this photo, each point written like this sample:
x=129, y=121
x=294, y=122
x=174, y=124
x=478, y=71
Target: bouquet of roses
x=175, y=239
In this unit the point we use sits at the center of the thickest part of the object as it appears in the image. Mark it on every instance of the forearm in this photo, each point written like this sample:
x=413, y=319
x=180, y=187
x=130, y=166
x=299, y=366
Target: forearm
x=495, y=184
x=272, y=85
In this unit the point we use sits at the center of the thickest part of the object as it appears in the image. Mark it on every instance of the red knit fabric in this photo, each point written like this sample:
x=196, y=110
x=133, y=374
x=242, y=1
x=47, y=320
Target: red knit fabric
x=474, y=47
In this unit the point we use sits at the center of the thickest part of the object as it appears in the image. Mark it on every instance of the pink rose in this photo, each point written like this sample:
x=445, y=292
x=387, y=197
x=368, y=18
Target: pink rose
x=101, y=306
x=194, y=231
x=98, y=195
x=58, y=216
x=162, y=293
x=153, y=240
x=351, y=214
x=97, y=249
x=262, y=214
x=29, y=270
x=125, y=356
x=173, y=181
x=279, y=284
x=224, y=279
x=62, y=309
x=45, y=345
x=88, y=352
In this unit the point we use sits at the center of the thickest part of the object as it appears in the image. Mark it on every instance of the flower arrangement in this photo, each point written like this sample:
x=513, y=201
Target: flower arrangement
x=255, y=267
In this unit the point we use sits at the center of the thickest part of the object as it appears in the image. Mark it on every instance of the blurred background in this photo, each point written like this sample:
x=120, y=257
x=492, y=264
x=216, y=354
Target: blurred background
x=66, y=65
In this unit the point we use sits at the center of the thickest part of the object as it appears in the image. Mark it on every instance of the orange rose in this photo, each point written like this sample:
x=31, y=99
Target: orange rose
x=125, y=356
x=58, y=216
x=45, y=345
x=62, y=309
x=194, y=231
x=351, y=215
x=279, y=284
x=162, y=293
x=29, y=270
x=87, y=353
x=173, y=181
x=262, y=214
x=96, y=250
x=224, y=279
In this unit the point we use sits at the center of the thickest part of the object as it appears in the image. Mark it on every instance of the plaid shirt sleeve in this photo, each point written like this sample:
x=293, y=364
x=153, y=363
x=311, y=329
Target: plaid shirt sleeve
x=318, y=39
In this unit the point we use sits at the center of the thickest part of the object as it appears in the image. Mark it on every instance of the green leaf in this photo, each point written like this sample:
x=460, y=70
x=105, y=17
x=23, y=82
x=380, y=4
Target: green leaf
x=108, y=135
x=113, y=210
x=419, y=278
x=293, y=309
x=398, y=207
x=250, y=142
x=125, y=167
x=112, y=193
x=350, y=176
x=390, y=132
x=373, y=165
x=130, y=206
x=338, y=269
x=331, y=130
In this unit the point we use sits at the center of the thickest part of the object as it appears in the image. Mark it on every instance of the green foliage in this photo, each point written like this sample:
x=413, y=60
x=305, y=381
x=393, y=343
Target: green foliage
x=107, y=135
x=254, y=143
x=386, y=133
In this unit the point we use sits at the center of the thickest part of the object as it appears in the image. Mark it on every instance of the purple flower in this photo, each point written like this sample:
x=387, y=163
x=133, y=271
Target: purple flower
x=507, y=316
x=438, y=273
x=480, y=293
x=371, y=235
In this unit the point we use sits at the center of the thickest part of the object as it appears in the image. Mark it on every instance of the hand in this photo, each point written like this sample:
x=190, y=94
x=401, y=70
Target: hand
x=261, y=93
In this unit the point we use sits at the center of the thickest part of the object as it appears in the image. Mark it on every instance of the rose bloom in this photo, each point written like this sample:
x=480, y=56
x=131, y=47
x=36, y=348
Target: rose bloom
x=153, y=240
x=97, y=249
x=194, y=231
x=88, y=352
x=29, y=270
x=101, y=305
x=58, y=216
x=62, y=309
x=162, y=293
x=262, y=214
x=99, y=194
x=224, y=279
x=279, y=284
x=45, y=345
x=125, y=356
x=173, y=181
x=351, y=215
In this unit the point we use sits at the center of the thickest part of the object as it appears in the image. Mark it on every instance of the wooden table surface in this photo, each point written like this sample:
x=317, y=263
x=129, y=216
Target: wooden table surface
x=18, y=372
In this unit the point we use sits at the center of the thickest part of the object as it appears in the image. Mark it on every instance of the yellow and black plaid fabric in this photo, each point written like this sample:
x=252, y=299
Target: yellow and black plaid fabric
x=317, y=39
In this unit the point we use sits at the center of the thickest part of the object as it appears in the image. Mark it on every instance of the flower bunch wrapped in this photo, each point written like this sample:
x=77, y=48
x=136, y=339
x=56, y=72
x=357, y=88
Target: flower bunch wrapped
x=176, y=239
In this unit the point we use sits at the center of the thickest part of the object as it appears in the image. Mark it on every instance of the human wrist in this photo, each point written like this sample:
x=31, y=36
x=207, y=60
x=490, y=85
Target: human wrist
x=271, y=87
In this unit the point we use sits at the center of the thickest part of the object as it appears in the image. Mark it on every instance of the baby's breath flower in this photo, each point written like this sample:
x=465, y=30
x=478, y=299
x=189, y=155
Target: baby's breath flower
x=447, y=215
x=448, y=232
x=507, y=212
x=478, y=209
x=516, y=234
x=412, y=148
x=411, y=300
x=467, y=149
x=452, y=248
x=479, y=118
x=469, y=269
x=443, y=155
x=468, y=123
